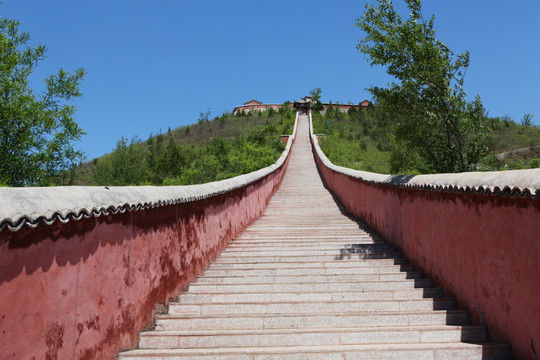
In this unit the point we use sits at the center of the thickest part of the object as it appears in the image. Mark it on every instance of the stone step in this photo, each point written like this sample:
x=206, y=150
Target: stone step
x=333, y=221
x=360, y=265
x=296, y=224
x=311, y=253
x=302, y=251
x=299, y=257
x=314, y=306
x=310, y=287
x=227, y=298
x=275, y=271
x=305, y=233
x=304, y=230
x=271, y=237
x=321, y=244
x=298, y=243
x=309, y=320
x=234, y=248
x=299, y=232
x=313, y=337
x=431, y=351
x=290, y=279
x=299, y=261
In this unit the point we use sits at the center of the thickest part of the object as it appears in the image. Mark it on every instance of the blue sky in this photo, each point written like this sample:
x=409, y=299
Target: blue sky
x=156, y=64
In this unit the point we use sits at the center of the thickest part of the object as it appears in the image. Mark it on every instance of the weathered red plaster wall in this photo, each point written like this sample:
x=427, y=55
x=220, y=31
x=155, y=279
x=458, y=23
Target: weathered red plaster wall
x=484, y=249
x=84, y=289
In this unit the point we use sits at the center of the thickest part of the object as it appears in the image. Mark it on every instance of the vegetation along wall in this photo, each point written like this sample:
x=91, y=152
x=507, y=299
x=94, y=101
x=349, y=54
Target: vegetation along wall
x=82, y=268
x=475, y=234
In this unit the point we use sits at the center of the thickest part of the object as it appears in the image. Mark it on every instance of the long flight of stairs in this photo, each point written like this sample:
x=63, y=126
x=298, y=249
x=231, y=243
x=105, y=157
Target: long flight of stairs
x=305, y=281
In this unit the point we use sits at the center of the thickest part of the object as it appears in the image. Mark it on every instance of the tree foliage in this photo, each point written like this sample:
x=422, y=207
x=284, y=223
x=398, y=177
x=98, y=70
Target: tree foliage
x=527, y=120
x=37, y=131
x=124, y=166
x=366, y=140
x=439, y=123
x=316, y=105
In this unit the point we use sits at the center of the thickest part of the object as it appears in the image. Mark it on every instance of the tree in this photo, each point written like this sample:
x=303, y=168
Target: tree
x=126, y=165
x=352, y=112
x=37, y=131
x=174, y=160
x=329, y=109
x=438, y=122
x=316, y=104
x=204, y=117
x=527, y=120
x=284, y=108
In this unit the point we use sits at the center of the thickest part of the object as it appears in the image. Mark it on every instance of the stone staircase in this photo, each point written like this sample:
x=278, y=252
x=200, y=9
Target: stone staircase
x=305, y=281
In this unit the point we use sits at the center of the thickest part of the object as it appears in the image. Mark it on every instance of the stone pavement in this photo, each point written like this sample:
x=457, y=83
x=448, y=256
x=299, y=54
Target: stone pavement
x=306, y=281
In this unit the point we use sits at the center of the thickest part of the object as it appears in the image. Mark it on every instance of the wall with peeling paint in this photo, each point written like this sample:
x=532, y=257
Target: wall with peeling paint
x=484, y=249
x=85, y=288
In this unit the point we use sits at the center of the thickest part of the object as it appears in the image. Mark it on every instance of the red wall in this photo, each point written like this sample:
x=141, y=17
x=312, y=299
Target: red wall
x=484, y=249
x=84, y=289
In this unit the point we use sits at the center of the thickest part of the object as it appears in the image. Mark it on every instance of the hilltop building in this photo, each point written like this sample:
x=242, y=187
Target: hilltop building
x=255, y=105
x=302, y=105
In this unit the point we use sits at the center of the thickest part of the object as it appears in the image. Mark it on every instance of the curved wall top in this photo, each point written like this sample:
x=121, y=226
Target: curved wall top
x=34, y=205
x=515, y=183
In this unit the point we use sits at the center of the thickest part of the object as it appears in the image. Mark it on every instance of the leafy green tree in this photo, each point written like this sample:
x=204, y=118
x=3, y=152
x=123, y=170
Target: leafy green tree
x=222, y=119
x=316, y=105
x=37, y=131
x=204, y=117
x=406, y=161
x=102, y=172
x=175, y=159
x=284, y=108
x=438, y=122
x=126, y=165
x=527, y=120
x=329, y=110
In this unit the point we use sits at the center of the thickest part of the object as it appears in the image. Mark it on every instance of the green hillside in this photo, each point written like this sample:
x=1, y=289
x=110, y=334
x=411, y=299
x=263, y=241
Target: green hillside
x=209, y=150
x=365, y=140
x=228, y=145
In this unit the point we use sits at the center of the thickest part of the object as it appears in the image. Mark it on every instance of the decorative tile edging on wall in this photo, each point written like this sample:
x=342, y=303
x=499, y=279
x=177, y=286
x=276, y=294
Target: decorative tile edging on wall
x=477, y=235
x=84, y=286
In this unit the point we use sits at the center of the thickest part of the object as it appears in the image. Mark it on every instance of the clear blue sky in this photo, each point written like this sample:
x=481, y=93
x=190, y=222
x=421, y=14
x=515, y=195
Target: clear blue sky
x=156, y=64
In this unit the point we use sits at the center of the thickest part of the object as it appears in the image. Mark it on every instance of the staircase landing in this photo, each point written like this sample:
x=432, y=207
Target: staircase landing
x=305, y=281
